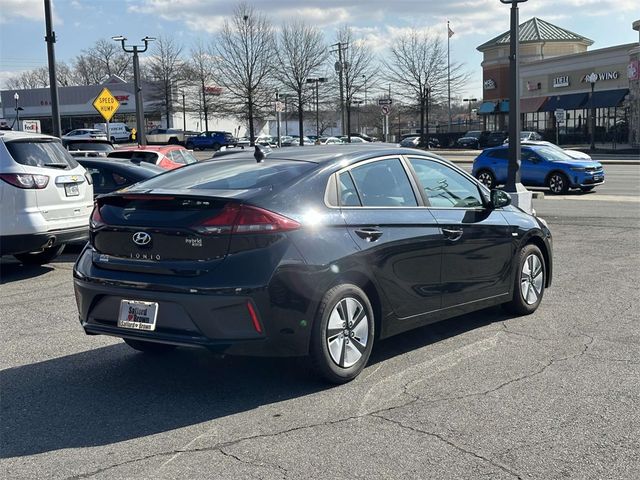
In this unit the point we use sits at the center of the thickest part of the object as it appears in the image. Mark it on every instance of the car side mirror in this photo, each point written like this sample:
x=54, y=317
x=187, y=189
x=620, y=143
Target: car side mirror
x=499, y=198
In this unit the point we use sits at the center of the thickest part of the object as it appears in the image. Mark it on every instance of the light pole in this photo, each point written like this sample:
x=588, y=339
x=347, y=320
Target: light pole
x=358, y=103
x=520, y=196
x=136, y=49
x=592, y=78
x=426, y=139
x=469, y=100
x=184, y=114
x=317, y=81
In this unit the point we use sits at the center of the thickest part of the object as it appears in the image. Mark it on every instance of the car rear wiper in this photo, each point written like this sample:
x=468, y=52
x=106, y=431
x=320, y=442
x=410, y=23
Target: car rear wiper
x=56, y=165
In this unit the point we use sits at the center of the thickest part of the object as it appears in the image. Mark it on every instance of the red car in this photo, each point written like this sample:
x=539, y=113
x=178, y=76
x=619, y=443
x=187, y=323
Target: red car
x=167, y=157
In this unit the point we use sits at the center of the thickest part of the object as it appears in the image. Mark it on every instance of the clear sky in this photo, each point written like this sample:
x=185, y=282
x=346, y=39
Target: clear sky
x=79, y=23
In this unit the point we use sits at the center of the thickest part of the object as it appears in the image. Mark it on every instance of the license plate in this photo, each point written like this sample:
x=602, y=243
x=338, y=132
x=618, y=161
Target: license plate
x=138, y=315
x=71, y=189
x=597, y=178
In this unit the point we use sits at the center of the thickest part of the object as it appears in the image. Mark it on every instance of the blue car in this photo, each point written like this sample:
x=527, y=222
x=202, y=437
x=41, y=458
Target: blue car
x=213, y=140
x=541, y=166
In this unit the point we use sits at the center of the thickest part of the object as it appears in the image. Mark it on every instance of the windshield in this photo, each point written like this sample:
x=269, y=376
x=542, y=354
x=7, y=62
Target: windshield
x=231, y=175
x=41, y=153
x=553, y=154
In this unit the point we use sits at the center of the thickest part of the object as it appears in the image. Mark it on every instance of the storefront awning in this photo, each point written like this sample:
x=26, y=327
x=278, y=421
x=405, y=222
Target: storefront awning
x=529, y=105
x=608, y=98
x=486, y=107
x=571, y=101
x=503, y=106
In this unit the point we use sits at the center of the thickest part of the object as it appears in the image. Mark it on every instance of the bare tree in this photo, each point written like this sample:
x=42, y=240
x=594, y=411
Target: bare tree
x=357, y=63
x=244, y=64
x=103, y=59
x=417, y=66
x=166, y=67
x=200, y=75
x=301, y=51
x=39, y=78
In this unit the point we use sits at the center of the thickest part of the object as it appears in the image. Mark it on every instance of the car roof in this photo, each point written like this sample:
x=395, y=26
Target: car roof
x=349, y=153
x=11, y=135
x=124, y=163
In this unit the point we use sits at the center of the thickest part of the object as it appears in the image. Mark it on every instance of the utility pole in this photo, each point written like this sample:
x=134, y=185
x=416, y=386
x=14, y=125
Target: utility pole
x=184, y=114
x=53, y=80
x=339, y=66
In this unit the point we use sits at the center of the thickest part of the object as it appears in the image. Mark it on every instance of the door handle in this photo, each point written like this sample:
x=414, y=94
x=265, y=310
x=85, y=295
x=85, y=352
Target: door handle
x=369, y=234
x=452, y=234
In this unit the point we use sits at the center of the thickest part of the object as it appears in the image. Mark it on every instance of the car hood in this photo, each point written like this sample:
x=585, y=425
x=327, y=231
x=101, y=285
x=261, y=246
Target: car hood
x=583, y=164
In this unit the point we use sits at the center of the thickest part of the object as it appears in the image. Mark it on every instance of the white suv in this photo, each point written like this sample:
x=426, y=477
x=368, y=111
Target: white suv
x=46, y=197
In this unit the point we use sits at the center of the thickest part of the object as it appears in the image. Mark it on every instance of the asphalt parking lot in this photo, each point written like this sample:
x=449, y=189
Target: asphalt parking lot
x=552, y=395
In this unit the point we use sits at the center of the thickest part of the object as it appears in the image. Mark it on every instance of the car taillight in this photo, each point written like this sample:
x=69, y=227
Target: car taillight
x=96, y=219
x=236, y=218
x=26, y=181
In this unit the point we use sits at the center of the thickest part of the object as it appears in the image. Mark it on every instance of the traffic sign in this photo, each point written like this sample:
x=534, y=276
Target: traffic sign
x=385, y=109
x=279, y=106
x=385, y=101
x=560, y=114
x=106, y=104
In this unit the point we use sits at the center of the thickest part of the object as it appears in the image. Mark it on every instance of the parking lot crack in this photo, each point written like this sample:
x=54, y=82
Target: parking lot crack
x=256, y=464
x=451, y=443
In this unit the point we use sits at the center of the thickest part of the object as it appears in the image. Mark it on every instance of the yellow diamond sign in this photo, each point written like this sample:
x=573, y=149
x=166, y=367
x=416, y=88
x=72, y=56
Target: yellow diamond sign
x=106, y=104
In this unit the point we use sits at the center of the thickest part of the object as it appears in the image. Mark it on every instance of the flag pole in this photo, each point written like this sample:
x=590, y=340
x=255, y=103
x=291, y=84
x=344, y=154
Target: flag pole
x=448, y=75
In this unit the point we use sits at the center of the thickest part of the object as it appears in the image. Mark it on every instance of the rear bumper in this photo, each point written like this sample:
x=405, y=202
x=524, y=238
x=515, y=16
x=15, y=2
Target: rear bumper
x=34, y=242
x=214, y=318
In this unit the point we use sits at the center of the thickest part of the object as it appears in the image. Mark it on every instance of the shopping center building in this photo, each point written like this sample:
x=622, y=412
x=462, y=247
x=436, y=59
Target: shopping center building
x=558, y=73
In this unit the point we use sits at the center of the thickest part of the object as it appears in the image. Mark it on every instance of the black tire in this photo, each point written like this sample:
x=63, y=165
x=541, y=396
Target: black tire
x=587, y=189
x=558, y=183
x=149, y=347
x=216, y=146
x=487, y=178
x=189, y=146
x=113, y=139
x=40, y=258
x=173, y=141
x=345, y=345
x=528, y=290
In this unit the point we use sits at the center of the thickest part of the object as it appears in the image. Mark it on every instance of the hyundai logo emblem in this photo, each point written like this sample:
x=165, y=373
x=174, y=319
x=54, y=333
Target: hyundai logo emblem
x=141, y=238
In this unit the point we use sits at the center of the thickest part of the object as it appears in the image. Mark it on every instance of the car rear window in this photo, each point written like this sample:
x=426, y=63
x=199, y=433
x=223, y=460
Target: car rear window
x=137, y=156
x=92, y=146
x=41, y=153
x=231, y=175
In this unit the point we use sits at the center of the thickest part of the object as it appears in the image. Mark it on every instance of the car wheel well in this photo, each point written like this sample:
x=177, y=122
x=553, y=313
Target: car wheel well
x=546, y=180
x=361, y=281
x=538, y=242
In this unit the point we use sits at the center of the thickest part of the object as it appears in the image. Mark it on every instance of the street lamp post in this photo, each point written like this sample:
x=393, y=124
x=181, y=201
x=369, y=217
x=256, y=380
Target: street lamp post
x=520, y=196
x=469, y=100
x=592, y=79
x=136, y=49
x=317, y=81
x=425, y=140
x=184, y=114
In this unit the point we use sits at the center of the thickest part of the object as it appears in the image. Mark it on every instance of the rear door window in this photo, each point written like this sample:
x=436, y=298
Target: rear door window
x=44, y=153
x=384, y=183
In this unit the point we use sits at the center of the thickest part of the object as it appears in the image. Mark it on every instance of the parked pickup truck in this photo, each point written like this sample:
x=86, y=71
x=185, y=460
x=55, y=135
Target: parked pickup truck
x=164, y=136
x=213, y=140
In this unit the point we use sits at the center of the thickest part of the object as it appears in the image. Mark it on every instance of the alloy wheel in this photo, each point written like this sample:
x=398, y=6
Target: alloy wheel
x=556, y=184
x=531, y=279
x=347, y=332
x=486, y=179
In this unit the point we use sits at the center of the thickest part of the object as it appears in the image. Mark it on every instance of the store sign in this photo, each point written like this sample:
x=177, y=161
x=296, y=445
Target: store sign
x=601, y=76
x=561, y=81
x=213, y=90
x=489, y=84
x=633, y=70
x=32, y=126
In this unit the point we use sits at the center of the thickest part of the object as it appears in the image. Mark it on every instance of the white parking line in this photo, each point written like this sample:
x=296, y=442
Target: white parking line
x=595, y=198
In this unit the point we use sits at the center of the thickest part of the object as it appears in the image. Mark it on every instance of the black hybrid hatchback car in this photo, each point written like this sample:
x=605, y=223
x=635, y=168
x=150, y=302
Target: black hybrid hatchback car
x=314, y=251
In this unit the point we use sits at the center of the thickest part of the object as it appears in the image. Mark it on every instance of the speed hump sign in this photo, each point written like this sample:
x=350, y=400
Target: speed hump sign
x=106, y=104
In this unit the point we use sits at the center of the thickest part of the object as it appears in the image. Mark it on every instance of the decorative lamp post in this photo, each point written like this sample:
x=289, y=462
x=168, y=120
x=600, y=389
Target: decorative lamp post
x=136, y=49
x=469, y=101
x=16, y=97
x=592, y=78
